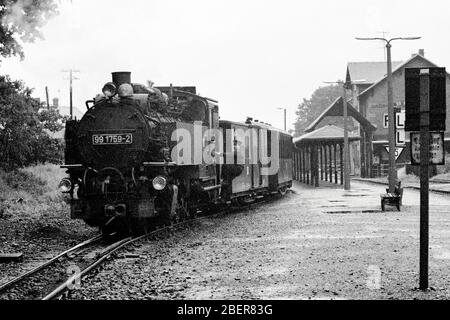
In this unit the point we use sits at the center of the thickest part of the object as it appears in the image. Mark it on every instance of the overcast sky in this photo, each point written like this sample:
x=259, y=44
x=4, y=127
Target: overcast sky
x=252, y=56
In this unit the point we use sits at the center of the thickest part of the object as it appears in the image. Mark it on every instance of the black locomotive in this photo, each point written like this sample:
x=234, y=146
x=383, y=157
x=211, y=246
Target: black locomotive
x=144, y=155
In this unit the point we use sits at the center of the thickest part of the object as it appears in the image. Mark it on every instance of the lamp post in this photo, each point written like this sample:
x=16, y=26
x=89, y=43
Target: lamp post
x=285, y=127
x=391, y=115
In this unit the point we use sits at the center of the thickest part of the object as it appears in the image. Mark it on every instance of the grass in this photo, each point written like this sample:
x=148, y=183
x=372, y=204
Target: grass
x=30, y=191
x=51, y=174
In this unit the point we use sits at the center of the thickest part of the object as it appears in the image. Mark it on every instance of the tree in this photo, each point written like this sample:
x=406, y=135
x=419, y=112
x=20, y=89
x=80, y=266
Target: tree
x=51, y=119
x=21, y=21
x=309, y=109
x=24, y=127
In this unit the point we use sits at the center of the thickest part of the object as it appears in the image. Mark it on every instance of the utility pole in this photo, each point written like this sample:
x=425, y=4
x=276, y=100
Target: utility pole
x=391, y=115
x=71, y=78
x=285, y=122
x=48, y=100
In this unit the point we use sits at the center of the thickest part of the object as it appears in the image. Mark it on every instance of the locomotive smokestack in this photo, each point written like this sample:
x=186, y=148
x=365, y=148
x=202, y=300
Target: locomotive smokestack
x=121, y=77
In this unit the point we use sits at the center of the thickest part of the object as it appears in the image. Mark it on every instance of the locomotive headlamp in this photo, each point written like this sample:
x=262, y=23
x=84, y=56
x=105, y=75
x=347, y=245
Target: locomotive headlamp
x=109, y=90
x=65, y=185
x=159, y=183
x=125, y=90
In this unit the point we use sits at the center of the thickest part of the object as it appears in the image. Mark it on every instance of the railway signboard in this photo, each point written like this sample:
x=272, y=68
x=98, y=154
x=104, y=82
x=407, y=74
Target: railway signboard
x=398, y=151
x=437, y=151
x=399, y=126
x=425, y=99
x=436, y=100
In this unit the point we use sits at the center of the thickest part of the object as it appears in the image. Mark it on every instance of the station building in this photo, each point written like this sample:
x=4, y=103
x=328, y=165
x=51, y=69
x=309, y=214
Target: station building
x=367, y=106
x=369, y=96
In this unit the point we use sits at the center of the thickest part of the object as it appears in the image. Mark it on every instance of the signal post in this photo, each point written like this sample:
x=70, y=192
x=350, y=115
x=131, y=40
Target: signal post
x=425, y=99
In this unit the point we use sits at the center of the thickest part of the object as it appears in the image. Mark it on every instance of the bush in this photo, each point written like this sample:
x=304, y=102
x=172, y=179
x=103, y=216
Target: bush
x=24, y=181
x=50, y=173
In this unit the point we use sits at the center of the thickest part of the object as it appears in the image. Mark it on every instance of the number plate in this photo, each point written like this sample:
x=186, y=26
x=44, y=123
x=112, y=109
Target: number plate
x=112, y=139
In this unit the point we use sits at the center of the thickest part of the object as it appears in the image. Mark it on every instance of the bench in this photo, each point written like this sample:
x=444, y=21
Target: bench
x=393, y=199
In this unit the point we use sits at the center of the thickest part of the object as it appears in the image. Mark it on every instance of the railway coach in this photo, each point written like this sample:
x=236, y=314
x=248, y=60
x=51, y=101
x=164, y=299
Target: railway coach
x=266, y=164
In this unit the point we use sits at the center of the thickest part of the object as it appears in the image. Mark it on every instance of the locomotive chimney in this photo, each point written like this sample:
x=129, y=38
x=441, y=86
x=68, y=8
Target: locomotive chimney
x=121, y=77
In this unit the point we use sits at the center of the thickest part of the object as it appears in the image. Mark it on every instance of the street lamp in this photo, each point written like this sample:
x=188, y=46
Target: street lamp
x=285, y=127
x=391, y=116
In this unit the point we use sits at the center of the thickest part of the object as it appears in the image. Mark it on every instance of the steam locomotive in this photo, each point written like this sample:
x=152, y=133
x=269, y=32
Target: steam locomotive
x=144, y=155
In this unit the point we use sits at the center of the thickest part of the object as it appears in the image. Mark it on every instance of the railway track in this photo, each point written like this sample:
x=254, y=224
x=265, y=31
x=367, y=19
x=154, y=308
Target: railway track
x=25, y=286
x=41, y=282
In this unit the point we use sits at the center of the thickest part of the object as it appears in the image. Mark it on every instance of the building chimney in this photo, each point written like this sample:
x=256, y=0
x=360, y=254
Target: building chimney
x=422, y=52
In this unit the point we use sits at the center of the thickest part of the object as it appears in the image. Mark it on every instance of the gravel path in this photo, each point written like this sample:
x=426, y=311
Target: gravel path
x=314, y=244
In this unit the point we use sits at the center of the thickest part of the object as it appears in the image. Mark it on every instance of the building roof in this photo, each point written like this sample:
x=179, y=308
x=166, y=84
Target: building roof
x=56, y=135
x=77, y=113
x=396, y=69
x=336, y=109
x=368, y=72
x=326, y=134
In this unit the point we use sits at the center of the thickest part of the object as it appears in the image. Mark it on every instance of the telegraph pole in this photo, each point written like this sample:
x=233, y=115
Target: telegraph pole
x=48, y=100
x=285, y=123
x=71, y=78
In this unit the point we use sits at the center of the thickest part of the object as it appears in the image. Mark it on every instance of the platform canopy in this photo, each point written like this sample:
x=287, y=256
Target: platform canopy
x=329, y=133
x=336, y=110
